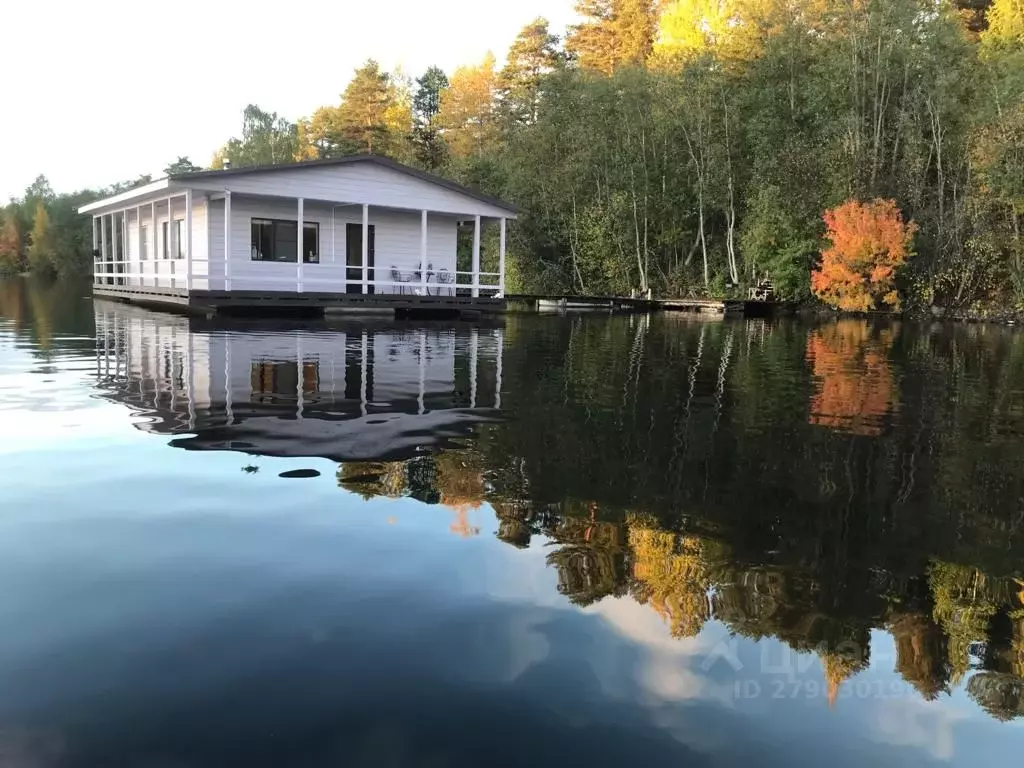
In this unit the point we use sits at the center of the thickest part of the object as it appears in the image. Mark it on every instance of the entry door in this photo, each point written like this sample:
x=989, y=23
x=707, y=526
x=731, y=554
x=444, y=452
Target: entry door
x=354, y=257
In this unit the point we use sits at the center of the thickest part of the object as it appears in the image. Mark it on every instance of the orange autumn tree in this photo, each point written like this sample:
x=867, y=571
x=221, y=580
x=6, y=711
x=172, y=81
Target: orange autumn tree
x=869, y=241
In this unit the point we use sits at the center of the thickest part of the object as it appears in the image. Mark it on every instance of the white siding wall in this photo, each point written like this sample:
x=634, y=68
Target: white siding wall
x=396, y=243
x=363, y=182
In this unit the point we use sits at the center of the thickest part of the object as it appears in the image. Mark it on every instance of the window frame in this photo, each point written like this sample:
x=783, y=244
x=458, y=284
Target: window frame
x=311, y=258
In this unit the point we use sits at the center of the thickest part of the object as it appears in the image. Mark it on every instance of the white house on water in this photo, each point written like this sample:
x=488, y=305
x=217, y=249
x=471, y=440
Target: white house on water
x=374, y=232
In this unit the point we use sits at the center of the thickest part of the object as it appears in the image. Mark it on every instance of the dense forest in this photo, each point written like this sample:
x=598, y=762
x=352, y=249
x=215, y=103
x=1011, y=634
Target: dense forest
x=695, y=147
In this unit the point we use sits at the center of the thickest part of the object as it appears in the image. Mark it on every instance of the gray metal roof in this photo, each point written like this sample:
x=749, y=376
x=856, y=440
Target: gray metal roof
x=347, y=160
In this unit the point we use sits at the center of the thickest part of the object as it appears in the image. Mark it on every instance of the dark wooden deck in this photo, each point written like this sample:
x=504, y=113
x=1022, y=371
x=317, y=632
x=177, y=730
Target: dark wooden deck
x=208, y=302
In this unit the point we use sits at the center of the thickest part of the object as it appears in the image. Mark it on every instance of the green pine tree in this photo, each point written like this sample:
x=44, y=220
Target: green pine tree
x=428, y=146
x=533, y=55
x=372, y=116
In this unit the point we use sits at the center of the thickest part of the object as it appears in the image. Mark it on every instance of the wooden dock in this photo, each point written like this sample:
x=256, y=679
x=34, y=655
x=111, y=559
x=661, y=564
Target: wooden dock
x=213, y=302
x=628, y=304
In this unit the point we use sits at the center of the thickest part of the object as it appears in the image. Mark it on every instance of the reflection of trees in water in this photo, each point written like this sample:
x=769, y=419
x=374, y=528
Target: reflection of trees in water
x=705, y=428
x=921, y=653
x=840, y=664
x=1001, y=695
x=590, y=558
x=453, y=479
x=963, y=607
x=854, y=384
x=460, y=484
x=44, y=307
x=671, y=575
x=369, y=479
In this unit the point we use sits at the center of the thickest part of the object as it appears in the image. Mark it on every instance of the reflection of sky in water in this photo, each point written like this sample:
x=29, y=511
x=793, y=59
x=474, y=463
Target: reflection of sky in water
x=163, y=607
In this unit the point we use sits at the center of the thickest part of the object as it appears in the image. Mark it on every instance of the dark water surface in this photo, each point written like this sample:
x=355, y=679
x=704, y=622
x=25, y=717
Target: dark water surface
x=546, y=541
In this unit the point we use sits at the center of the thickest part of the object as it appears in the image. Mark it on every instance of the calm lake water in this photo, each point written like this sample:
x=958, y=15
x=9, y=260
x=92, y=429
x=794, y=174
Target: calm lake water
x=585, y=540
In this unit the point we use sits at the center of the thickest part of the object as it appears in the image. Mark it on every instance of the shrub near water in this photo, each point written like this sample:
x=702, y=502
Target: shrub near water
x=869, y=242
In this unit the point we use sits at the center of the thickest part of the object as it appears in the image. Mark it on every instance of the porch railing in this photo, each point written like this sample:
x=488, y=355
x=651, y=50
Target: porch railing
x=209, y=275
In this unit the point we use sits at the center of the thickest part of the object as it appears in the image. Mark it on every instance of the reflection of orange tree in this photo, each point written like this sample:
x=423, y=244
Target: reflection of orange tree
x=671, y=574
x=460, y=482
x=854, y=382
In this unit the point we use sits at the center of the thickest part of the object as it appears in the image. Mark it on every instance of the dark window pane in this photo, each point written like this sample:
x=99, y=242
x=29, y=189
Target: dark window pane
x=179, y=227
x=310, y=243
x=262, y=240
x=286, y=241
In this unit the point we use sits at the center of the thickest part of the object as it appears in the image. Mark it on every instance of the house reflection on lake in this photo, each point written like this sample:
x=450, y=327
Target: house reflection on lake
x=342, y=391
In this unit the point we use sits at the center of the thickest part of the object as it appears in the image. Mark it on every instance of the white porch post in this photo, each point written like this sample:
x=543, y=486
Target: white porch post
x=95, y=249
x=169, y=240
x=476, y=256
x=299, y=246
x=227, y=240
x=153, y=255
x=125, y=262
x=501, y=257
x=208, y=237
x=366, y=248
x=188, y=239
x=138, y=239
x=103, y=249
x=423, y=253
x=114, y=243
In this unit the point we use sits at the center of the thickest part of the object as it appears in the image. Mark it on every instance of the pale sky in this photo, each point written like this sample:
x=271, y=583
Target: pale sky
x=101, y=92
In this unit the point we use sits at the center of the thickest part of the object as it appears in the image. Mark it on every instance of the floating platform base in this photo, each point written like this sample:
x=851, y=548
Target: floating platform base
x=289, y=302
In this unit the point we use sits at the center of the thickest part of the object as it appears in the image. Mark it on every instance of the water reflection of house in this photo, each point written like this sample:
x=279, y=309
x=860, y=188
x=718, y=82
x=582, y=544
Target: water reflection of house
x=347, y=391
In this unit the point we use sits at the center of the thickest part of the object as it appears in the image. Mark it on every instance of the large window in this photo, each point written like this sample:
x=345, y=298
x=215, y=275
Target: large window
x=179, y=237
x=173, y=239
x=143, y=242
x=277, y=240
